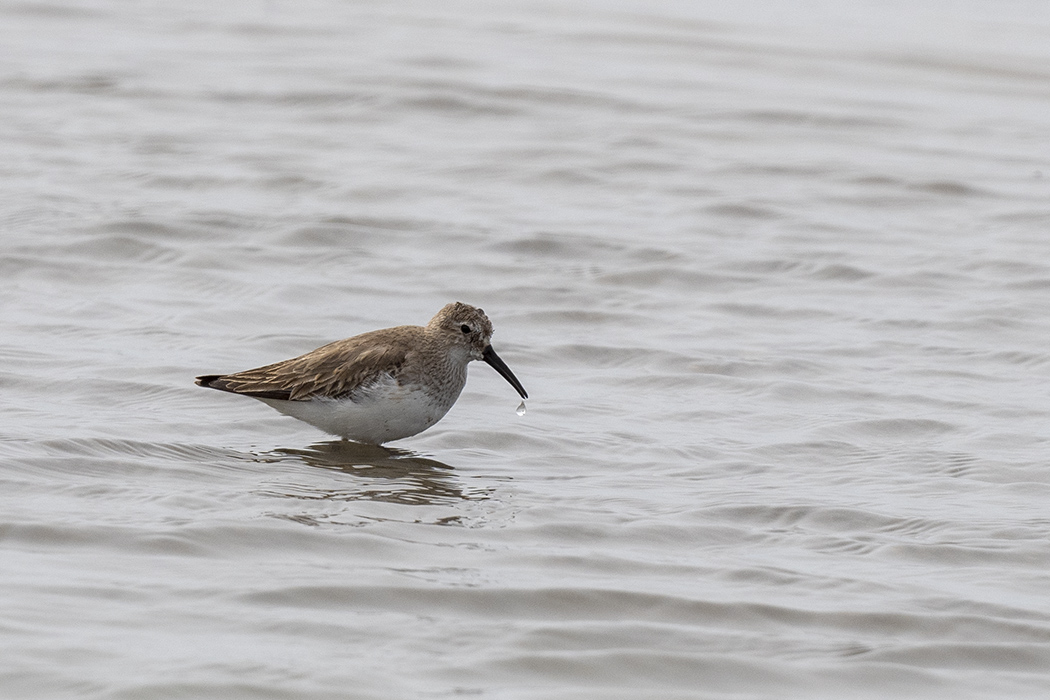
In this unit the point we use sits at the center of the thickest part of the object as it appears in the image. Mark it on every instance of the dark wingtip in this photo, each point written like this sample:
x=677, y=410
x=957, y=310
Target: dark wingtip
x=206, y=380
x=219, y=381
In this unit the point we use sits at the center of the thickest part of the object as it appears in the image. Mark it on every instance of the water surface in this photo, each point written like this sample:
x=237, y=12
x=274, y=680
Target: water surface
x=775, y=276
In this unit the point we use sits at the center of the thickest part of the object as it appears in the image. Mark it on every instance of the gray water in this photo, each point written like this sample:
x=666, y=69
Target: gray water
x=775, y=274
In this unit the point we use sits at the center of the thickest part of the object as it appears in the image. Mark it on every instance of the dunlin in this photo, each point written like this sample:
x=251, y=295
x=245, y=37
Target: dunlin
x=379, y=386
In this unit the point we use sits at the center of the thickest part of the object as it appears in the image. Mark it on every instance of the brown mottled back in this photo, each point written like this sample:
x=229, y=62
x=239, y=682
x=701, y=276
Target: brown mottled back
x=339, y=369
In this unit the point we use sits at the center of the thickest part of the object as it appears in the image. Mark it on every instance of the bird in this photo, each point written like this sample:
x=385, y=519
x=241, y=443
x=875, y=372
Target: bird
x=379, y=386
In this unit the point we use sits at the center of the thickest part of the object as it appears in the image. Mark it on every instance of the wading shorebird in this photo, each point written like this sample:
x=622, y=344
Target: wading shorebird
x=378, y=386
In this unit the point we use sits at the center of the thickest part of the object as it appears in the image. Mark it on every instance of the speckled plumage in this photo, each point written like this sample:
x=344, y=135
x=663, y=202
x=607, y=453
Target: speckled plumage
x=378, y=386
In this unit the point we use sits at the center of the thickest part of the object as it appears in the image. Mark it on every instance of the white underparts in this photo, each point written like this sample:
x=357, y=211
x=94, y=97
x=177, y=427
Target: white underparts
x=386, y=411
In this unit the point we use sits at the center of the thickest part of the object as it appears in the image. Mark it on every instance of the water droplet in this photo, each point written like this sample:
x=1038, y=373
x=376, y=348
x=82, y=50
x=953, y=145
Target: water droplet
x=521, y=409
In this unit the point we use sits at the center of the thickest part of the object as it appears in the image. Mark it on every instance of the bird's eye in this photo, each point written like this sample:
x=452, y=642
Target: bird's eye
x=465, y=328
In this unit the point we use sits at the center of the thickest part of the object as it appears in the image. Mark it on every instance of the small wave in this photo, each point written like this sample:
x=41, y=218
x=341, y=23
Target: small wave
x=114, y=447
x=949, y=188
x=974, y=657
x=895, y=428
x=743, y=211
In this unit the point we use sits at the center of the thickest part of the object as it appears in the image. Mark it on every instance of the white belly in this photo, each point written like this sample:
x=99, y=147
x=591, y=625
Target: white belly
x=388, y=412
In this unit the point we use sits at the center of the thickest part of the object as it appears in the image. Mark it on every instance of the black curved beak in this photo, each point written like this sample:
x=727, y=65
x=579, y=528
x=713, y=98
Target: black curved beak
x=489, y=355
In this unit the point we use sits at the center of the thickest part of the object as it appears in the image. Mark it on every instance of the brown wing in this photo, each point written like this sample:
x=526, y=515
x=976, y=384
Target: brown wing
x=334, y=370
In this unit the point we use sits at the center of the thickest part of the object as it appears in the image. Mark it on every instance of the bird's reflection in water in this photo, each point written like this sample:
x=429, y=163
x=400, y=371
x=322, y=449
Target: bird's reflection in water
x=378, y=474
